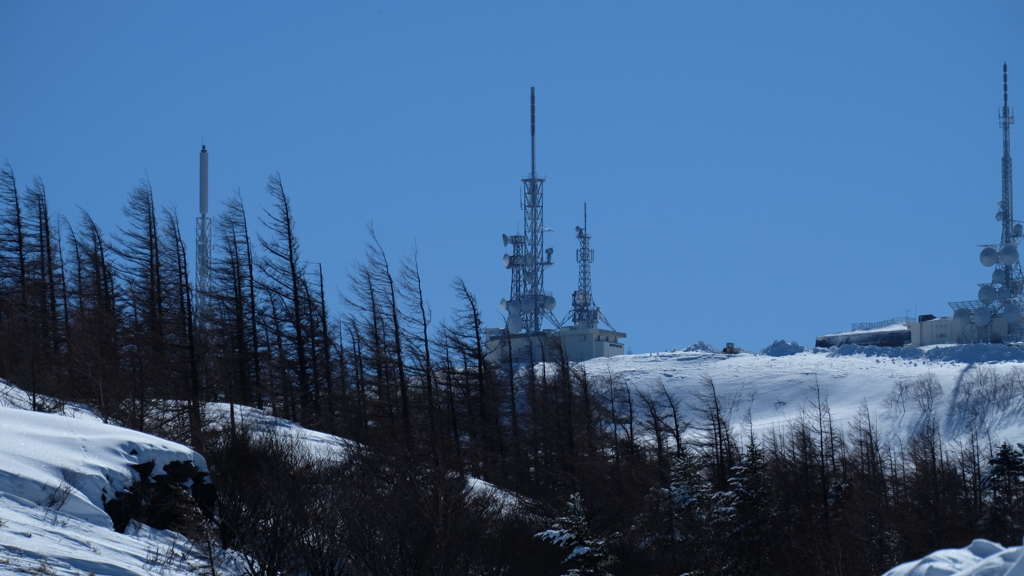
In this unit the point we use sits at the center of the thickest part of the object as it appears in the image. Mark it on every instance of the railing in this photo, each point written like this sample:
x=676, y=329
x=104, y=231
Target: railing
x=882, y=323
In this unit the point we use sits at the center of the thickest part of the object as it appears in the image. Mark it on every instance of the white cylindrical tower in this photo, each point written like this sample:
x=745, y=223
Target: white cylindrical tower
x=204, y=244
x=204, y=192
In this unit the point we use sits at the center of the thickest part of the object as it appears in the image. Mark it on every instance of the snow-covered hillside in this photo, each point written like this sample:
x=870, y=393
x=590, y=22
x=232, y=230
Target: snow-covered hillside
x=981, y=386
x=56, y=473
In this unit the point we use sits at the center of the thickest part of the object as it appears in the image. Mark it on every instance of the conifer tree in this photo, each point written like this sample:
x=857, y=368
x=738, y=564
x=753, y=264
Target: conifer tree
x=588, y=552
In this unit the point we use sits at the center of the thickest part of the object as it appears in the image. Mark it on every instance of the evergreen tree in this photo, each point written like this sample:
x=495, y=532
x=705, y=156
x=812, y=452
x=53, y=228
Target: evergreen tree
x=1005, y=483
x=588, y=552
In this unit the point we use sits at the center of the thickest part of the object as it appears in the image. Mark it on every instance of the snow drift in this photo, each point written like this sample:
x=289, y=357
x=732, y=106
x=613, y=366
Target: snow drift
x=980, y=558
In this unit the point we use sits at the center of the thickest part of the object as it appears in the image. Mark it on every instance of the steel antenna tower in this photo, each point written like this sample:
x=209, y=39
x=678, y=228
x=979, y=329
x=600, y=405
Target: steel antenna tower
x=1002, y=297
x=1005, y=120
x=204, y=247
x=584, y=312
x=529, y=303
x=1012, y=276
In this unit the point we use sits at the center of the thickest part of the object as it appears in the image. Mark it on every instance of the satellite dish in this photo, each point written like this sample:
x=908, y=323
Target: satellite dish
x=504, y=239
x=1018, y=230
x=1003, y=292
x=999, y=216
x=507, y=261
x=982, y=316
x=579, y=230
x=1008, y=255
x=514, y=307
x=1011, y=312
x=514, y=324
x=503, y=305
x=998, y=276
x=989, y=256
x=961, y=318
x=549, y=303
x=987, y=294
x=999, y=326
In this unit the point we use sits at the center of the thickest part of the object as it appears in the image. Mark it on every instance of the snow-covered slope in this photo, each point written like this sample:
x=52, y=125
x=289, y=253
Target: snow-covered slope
x=980, y=558
x=44, y=457
x=55, y=473
x=980, y=386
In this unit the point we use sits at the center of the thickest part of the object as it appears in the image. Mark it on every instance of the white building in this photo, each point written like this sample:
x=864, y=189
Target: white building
x=946, y=330
x=576, y=344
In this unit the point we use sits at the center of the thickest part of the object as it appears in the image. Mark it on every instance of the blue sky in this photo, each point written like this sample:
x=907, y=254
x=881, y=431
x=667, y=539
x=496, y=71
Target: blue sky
x=753, y=170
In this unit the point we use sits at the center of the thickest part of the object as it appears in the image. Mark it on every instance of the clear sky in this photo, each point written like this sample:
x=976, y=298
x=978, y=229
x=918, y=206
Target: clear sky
x=753, y=170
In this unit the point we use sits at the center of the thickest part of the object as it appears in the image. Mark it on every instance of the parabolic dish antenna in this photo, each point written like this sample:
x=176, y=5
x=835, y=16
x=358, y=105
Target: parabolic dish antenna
x=507, y=261
x=503, y=305
x=998, y=276
x=982, y=316
x=1003, y=292
x=514, y=307
x=989, y=256
x=987, y=294
x=527, y=304
x=999, y=216
x=528, y=276
x=1011, y=313
x=961, y=318
x=1008, y=255
x=999, y=325
x=549, y=303
x=514, y=323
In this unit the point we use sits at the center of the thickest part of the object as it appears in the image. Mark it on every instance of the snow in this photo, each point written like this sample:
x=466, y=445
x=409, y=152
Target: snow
x=40, y=453
x=49, y=458
x=980, y=558
x=782, y=348
x=981, y=386
x=890, y=328
x=316, y=444
x=771, y=391
x=701, y=346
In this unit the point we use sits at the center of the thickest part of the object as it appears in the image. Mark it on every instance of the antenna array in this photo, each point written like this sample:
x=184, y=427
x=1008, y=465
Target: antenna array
x=528, y=302
x=999, y=301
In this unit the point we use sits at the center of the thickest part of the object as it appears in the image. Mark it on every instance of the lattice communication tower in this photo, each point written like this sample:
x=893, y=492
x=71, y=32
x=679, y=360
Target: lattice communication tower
x=585, y=314
x=999, y=300
x=528, y=302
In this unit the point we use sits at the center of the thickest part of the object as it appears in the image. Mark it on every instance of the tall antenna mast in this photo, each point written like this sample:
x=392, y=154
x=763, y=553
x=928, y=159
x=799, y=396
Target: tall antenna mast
x=1001, y=299
x=1005, y=120
x=529, y=303
x=533, y=134
x=204, y=246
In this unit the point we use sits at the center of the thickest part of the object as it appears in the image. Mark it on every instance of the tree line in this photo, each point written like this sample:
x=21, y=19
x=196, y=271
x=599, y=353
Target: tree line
x=665, y=487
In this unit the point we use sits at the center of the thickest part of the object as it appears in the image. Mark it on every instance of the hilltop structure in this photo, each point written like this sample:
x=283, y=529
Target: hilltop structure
x=996, y=314
x=524, y=339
